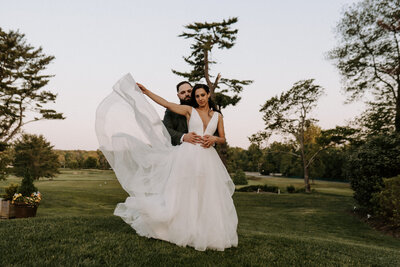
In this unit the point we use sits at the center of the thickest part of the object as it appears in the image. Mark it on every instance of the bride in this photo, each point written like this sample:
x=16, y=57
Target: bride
x=180, y=194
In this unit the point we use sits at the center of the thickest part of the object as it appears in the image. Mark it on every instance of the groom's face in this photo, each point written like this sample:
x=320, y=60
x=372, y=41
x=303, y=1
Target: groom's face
x=184, y=92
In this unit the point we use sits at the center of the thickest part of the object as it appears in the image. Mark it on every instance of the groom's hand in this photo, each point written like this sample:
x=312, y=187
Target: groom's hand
x=192, y=138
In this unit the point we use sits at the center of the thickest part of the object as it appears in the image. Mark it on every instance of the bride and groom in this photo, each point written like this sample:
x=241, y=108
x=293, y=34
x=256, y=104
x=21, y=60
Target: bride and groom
x=181, y=194
x=176, y=124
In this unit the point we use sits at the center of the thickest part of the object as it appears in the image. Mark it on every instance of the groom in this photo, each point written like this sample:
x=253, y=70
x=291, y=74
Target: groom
x=176, y=124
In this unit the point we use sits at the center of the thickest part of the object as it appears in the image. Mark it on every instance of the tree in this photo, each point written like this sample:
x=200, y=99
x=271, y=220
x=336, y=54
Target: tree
x=279, y=158
x=369, y=163
x=236, y=159
x=368, y=58
x=206, y=37
x=6, y=157
x=289, y=113
x=103, y=163
x=21, y=84
x=35, y=157
x=90, y=163
x=378, y=118
x=255, y=158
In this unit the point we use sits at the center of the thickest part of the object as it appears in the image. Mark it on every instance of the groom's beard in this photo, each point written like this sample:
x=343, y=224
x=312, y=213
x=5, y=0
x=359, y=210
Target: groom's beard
x=185, y=102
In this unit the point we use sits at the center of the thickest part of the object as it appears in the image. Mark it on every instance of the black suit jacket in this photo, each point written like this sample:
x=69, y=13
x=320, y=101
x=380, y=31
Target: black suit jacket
x=176, y=125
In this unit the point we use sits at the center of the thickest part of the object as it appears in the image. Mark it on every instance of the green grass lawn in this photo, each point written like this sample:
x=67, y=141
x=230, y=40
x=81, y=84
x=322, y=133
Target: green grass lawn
x=75, y=226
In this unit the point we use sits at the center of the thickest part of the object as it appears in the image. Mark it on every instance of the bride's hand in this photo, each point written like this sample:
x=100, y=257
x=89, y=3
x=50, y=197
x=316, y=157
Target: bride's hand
x=141, y=87
x=208, y=141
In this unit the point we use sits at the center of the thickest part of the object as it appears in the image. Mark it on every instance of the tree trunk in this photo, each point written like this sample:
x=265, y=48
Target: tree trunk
x=207, y=75
x=306, y=180
x=397, y=119
x=303, y=156
x=305, y=167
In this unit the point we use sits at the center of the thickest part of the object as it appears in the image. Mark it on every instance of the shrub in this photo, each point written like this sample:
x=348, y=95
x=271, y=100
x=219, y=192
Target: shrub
x=387, y=201
x=255, y=188
x=239, y=178
x=302, y=190
x=27, y=187
x=378, y=157
x=290, y=189
x=10, y=191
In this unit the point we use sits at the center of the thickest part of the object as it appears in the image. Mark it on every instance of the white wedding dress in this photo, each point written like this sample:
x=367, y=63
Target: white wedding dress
x=180, y=194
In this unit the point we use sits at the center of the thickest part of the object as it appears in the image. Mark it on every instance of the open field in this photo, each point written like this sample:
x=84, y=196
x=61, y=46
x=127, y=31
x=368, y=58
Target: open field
x=75, y=226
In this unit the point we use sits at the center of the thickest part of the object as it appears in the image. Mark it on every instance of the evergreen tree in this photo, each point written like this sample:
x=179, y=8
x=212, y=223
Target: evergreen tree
x=34, y=158
x=206, y=37
x=21, y=84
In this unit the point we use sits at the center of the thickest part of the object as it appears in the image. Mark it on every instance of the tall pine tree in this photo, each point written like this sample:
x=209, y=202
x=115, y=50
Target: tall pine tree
x=21, y=84
x=206, y=37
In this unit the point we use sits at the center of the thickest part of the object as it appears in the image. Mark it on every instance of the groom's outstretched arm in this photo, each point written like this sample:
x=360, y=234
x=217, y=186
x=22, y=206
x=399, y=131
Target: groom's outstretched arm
x=168, y=122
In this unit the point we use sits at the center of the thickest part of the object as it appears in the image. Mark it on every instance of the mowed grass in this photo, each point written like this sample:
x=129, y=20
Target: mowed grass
x=318, y=185
x=75, y=227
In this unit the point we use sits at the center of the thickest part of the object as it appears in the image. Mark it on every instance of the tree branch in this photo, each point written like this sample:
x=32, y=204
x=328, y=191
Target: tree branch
x=19, y=123
x=207, y=75
x=313, y=157
x=398, y=60
x=217, y=80
x=376, y=70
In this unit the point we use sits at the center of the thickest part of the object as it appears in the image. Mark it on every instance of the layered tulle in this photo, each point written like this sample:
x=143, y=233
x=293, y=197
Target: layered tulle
x=180, y=194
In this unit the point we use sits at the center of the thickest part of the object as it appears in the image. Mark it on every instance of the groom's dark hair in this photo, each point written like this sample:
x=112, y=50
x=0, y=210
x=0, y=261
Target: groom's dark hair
x=179, y=84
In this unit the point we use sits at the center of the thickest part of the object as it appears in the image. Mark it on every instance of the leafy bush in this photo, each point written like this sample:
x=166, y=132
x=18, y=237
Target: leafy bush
x=378, y=157
x=387, y=201
x=239, y=178
x=290, y=189
x=10, y=191
x=255, y=188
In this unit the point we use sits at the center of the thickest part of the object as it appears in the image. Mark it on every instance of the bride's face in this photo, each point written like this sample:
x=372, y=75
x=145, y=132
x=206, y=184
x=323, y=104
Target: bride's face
x=202, y=97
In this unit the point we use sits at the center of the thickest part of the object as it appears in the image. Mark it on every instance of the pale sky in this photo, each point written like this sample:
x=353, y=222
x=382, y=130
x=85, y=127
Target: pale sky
x=96, y=42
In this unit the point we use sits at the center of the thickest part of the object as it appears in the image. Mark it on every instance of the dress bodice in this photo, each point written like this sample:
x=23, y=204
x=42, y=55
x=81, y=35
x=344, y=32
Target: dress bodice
x=196, y=124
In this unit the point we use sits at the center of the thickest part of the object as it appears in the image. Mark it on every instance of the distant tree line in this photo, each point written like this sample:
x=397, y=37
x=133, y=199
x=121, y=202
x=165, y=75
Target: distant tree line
x=82, y=159
x=283, y=157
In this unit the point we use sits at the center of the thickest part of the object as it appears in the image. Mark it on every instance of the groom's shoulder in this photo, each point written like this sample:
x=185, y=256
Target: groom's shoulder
x=171, y=113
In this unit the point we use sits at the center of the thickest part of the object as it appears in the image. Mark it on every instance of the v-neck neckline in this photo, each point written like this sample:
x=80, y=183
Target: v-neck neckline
x=204, y=129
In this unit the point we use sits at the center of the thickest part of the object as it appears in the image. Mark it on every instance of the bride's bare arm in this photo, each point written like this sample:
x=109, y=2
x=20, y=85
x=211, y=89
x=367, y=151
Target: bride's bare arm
x=179, y=109
x=221, y=131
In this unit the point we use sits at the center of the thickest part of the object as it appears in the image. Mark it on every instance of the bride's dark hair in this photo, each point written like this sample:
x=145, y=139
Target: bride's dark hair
x=193, y=101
